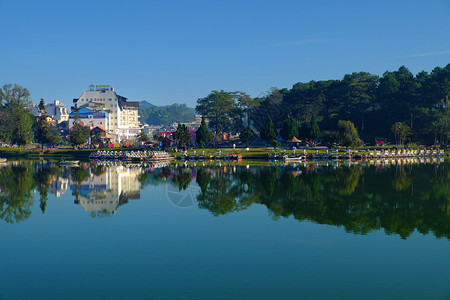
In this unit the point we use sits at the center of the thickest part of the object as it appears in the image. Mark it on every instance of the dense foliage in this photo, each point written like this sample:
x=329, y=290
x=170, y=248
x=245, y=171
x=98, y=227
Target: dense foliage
x=227, y=111
x=15, y=117
x=372, y=103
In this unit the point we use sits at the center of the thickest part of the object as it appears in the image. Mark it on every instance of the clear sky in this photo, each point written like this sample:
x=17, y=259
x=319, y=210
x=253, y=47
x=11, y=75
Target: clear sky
x=178, y=51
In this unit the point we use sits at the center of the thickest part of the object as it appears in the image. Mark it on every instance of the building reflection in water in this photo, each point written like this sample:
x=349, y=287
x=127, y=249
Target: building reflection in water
x=103, y=189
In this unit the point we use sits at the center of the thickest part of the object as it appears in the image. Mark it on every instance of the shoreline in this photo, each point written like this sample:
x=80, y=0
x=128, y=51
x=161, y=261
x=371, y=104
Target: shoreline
x=251, y=154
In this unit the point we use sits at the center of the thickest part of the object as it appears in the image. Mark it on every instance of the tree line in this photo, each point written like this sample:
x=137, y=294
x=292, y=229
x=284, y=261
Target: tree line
x=397, y=106
x=18, y=126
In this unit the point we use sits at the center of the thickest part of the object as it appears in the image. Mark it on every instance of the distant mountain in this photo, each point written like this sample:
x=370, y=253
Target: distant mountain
x=145, y=104
x=165, y=115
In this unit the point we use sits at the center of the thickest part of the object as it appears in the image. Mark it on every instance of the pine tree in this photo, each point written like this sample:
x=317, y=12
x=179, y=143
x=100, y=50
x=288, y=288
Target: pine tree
x=182, y=135
x=43, y=131
x=203, y=135
x=290, y=129
x=268, y=133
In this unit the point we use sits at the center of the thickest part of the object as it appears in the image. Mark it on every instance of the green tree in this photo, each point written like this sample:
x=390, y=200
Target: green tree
x=275, y=144
x=359, y=90
x=247, y=135
x=15, y=118
x=289, y=129
x=347, y=134
x=246, y=105
x=22, y=133
x=268, y=132
x=143, y=137
x=79, y=135
x=182, y=135
x=314, y=130
x=43, y=132
x=218, y=107
x=203, y=135
x=401, y=132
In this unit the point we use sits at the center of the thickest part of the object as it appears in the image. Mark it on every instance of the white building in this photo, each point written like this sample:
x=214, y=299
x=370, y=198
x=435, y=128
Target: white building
x=59, y=111
x=56, y=110
x=123, y=115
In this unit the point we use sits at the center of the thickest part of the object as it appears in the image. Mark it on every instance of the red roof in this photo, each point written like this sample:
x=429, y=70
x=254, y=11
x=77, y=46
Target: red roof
x=99, y=128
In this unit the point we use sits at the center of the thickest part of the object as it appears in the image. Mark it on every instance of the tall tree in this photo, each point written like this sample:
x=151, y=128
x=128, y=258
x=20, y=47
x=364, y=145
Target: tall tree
x=359, y=92
x=218, y=108
x=347, y=134
x=182, y=135
x=203, y=135
x=43, y=130
x=314, y=130
x=289, y=129
x=401, y=132
x=268, y=133
x=246, y=105
x=79, y=135
x=16, y=120
x=272, y=105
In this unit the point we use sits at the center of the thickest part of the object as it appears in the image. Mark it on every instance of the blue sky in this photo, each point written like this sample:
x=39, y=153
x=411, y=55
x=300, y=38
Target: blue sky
x=178, y=51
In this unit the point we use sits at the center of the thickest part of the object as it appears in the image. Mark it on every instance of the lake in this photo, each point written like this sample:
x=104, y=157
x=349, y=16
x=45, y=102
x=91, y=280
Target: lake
x=200, y=231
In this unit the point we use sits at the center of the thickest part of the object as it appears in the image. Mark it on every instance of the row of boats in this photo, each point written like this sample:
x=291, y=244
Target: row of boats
x=357, y=155
x=217, y=156
x=134, y=156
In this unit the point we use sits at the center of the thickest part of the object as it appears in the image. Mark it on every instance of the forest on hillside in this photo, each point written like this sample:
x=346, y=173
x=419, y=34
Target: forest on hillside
x=372, y=103
x=166, y=115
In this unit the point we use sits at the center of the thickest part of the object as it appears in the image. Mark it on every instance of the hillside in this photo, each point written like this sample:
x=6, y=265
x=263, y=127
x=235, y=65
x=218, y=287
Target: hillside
x=165, y=115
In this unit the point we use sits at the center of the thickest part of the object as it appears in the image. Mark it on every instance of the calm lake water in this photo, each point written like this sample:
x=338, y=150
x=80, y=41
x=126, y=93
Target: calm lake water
x=220, y=232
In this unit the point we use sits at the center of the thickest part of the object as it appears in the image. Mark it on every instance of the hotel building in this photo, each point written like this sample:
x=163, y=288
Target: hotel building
x=123, y=115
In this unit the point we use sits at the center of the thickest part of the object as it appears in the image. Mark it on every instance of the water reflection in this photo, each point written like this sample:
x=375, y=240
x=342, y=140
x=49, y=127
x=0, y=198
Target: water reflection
x=398, y=198
x=99, y=189
x=102, y=189
x=16, y=197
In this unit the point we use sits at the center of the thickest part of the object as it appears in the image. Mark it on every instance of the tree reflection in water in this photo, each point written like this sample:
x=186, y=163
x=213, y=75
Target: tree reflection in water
x=16, y=198
x=399, y=198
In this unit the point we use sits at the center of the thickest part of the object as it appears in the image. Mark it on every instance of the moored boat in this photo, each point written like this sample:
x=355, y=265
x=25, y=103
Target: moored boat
x=64, y=162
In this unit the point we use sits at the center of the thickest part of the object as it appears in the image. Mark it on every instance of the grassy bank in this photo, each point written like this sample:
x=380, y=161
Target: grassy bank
x=82, y=154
